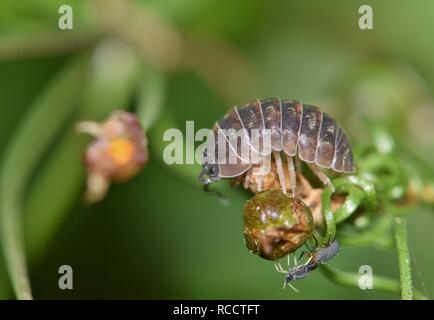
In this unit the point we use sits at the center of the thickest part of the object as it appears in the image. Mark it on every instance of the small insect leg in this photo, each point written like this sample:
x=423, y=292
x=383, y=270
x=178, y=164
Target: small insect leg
x=292, y=176
x=279, y=267
x=291, y=286
x=280, y=171
x=309, y=260
x=322, y=176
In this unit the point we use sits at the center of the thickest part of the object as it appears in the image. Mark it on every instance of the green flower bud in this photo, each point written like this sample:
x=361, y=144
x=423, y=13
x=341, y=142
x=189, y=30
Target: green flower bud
x=275, y=224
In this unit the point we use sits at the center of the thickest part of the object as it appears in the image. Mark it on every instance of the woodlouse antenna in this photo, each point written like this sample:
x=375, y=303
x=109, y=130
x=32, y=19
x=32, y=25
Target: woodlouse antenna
x=222, y=199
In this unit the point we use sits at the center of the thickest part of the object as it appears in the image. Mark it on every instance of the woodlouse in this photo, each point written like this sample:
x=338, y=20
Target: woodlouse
x=261, y=128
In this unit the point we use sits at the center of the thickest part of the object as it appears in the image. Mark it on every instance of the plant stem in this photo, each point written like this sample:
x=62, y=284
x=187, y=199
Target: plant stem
x=403, y=258
x=328, y=214
x=13, y=249
x=352, y=202
x=348, y=279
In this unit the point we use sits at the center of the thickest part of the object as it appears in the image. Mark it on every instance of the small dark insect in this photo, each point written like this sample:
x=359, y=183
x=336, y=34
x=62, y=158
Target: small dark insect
x=325, y=253
x=279, y=127
x=321, y=255
x=300, y=272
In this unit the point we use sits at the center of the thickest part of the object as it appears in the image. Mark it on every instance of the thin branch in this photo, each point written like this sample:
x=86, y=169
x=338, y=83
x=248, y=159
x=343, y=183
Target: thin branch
x=351, y=280
x=44, y=44
x=403, y=258
x=328, y=213
x=12, y=241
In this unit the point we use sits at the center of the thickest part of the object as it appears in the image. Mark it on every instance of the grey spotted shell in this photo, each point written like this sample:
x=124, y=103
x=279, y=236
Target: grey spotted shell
x=296, y=129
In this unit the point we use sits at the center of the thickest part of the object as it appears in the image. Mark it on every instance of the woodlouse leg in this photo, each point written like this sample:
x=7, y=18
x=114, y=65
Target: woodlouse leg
x=292, y=175
x=260, y=180
x=247, y=180
x=280, y=171
x=322, y=176
x=263, y=170
x=297, y=165
x=265, y=167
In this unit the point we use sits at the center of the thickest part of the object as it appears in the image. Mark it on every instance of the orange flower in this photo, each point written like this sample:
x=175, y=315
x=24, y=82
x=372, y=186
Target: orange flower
x=118, y=152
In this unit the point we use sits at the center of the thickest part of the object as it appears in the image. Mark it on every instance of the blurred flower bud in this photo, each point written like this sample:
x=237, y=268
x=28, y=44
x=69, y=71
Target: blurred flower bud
x=275, y=224
x=118, y=152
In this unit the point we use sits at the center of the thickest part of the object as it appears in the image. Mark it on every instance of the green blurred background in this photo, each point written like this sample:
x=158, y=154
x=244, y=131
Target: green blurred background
x=160, y=235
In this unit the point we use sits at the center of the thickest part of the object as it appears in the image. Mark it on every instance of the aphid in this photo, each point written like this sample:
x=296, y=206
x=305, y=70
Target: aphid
x=317, y=257
x=325, y=253
x=287, y=128
x=299, y=272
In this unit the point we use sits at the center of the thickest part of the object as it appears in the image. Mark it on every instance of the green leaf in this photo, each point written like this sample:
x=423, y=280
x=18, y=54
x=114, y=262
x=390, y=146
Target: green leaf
x=25, y=150
x=403, y=258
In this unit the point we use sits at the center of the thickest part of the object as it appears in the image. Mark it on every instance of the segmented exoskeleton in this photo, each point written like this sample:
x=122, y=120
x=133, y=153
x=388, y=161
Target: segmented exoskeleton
x=272, y=126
